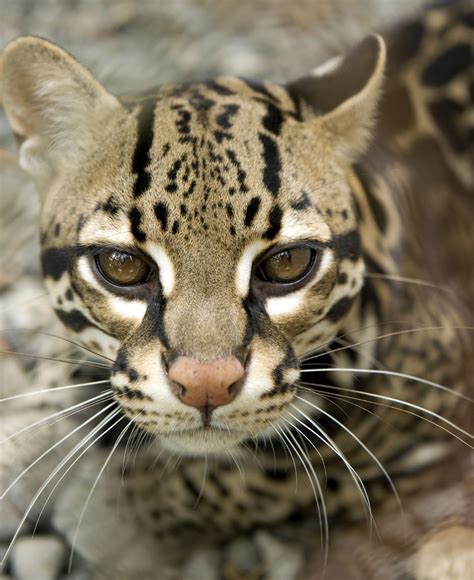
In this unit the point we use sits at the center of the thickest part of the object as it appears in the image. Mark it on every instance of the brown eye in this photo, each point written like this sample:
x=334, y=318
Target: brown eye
x=121, y=268
x=287, y=266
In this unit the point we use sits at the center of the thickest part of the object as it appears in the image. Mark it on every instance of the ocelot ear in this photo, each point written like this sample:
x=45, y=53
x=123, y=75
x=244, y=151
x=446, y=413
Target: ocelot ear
x=54, y=105
x=342, y=96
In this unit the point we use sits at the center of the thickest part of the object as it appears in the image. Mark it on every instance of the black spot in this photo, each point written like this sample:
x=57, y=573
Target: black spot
x=110, y=206
x=224, y=119
x=55, y=261
x=271, y=171
x=57, y=229
x=175, y=228
x=333, y=484
x=222, y=135
x=161, y=213
x=277, y=474
x=75, y=320
x=69, y=294
x=173, y=175
x=241, y=174
x=135, y=218
x=183, y=209
x=141, y=156
x=133, y=375
x=259, y=87
x=447, y=66
x=218, y=88
x=302, y=203
x=447, y=113
x=274, y=226
x=230, y=210
x=81, y=222
x=251, y=211
x=340, y=309
x=348, y=246
x=342, y=278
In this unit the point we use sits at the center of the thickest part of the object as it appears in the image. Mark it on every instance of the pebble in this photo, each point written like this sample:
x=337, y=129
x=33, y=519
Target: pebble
x=40, y=558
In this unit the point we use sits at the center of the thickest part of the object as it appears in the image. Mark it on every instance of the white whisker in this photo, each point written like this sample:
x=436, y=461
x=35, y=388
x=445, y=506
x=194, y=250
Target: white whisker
x=53, y=390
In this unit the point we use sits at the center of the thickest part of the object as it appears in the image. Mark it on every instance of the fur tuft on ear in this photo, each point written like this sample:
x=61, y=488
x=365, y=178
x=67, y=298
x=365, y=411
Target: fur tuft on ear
x=342, y=96
x=54, y=105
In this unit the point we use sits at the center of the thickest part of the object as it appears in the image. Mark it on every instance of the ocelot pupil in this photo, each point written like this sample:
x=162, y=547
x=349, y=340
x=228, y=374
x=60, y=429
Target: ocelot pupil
x=122, y=268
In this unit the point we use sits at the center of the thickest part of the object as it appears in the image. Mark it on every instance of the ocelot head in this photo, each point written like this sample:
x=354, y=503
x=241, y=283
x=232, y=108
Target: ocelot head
x=202, y=236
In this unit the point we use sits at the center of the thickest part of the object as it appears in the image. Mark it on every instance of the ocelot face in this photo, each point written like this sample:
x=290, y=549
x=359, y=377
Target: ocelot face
x=202, y=237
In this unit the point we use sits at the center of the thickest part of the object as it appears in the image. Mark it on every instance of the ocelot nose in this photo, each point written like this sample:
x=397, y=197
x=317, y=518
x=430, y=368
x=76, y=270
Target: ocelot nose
x=206, y=385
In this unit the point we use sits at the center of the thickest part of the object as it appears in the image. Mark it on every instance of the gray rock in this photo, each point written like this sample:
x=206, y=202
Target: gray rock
x=38, y=558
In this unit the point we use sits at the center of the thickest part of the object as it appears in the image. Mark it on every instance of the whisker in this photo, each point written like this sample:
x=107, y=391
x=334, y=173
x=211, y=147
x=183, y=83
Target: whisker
x=407, y=280
x=67, y=436
x=53, y=389
x=316, y=488
x=285, y=445
x=327, y=440
x=78, y=406
x=406, y=403
x=364, y=447
x=37, y=495
x=96, y=429
x=394, y=374
x=95, y=365
x=314, y=354
x=385, y=405
x=99, y=475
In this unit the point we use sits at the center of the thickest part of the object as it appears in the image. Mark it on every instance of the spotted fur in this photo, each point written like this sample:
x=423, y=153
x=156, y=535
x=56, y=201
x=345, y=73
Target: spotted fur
x=362, y=159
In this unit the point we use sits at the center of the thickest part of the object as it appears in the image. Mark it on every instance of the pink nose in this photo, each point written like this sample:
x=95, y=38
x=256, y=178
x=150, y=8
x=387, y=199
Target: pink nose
x=206, y=385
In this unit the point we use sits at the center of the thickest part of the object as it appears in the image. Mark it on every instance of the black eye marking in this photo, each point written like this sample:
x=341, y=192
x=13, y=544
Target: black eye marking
x=274, y=226
x=302, y=203
x=251, y=211
x=135, y=217
x=161, y=213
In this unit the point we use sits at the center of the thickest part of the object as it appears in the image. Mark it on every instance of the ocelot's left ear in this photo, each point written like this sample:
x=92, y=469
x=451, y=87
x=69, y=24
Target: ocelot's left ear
x=56, y=108
x=341, y=97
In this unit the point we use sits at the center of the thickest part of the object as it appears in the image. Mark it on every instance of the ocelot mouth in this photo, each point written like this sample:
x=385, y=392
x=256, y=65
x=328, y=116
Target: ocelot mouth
x=203, y=441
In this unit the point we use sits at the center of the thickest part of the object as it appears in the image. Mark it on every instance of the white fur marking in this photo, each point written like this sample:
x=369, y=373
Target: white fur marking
x=165, y=266
x=244, y=267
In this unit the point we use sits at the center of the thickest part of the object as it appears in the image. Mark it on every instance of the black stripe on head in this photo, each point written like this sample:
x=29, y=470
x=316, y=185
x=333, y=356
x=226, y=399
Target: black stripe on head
x=141, y=156
x=271, y=171
x=251, y=211
x=376, y=207
x=273, y=119
x=135, y=217
x=274, y=225
x=161, y=213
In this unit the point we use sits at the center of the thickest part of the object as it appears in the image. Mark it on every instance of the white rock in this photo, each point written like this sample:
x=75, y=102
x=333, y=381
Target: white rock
x=38, y=558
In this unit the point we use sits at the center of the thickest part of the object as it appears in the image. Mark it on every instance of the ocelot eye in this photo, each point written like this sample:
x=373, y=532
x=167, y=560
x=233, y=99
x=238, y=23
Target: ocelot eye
x=287, y=266
x=122, y=269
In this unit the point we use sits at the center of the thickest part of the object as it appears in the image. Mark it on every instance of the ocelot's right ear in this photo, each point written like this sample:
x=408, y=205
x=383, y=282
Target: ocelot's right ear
x=55, y=107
